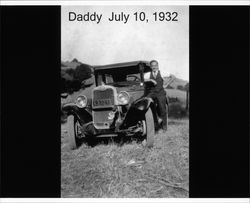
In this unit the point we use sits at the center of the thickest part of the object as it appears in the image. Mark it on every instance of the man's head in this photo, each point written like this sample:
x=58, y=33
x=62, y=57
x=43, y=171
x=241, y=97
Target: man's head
x=154, y=65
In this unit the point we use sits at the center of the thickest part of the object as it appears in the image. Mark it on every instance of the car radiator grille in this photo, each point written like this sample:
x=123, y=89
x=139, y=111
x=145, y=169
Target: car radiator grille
x=103, y=105
x=103, y=98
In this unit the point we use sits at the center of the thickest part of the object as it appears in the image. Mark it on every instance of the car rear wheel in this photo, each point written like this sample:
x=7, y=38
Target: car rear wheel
x=73, y=140
x=166, y=127
x=150, y=128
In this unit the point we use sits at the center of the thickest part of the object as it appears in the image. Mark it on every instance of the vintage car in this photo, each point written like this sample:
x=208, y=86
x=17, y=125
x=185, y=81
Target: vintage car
x=118, y=107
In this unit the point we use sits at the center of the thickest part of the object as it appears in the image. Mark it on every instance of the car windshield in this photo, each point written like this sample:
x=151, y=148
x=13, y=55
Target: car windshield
x=119, y=79
x=126, y=74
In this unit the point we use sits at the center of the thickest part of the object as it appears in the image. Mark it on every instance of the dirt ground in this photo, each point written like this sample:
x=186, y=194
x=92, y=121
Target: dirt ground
x=129, y=170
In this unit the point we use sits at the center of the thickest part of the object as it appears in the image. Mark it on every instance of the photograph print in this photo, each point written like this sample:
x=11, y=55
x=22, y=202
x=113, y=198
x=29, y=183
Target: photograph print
x=125, y=101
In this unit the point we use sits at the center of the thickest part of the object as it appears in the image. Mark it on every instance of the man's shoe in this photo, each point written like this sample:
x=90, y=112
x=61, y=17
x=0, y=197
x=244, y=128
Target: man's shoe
x=160, y=131
x=164, y=129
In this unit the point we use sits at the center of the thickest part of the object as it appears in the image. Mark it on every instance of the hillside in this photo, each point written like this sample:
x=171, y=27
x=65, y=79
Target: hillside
x=176, y=84
x=72, y=64
x=75, y=75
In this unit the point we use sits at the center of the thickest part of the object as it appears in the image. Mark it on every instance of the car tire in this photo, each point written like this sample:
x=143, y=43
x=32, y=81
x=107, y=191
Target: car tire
x=73, y=141
x=150, y=128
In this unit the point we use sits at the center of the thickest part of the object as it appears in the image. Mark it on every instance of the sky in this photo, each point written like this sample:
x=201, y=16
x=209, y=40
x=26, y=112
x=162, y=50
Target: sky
x=109, y=42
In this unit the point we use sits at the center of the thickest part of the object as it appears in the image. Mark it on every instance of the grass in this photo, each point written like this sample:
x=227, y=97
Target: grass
x=130, y=170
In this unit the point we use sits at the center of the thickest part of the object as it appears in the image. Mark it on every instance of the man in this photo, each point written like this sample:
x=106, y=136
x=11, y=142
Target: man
x=157, y=93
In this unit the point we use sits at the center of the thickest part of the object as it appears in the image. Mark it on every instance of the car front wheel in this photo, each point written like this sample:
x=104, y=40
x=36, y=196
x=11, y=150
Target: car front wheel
x=72, y=127
x=150, y=128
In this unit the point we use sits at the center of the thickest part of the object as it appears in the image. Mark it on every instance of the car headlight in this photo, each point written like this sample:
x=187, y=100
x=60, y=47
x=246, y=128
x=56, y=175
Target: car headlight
x=123, y=98
x=81, y=101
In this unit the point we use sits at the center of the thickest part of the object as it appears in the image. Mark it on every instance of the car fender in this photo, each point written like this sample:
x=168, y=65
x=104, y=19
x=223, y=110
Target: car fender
x=138, y=110
x=143, y=104
x=84, y=115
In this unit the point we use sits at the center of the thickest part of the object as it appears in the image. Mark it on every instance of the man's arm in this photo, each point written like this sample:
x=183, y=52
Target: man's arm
x=147, y=78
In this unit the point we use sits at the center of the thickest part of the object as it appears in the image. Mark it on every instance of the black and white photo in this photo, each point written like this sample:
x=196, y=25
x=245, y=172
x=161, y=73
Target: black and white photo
x=125, y=101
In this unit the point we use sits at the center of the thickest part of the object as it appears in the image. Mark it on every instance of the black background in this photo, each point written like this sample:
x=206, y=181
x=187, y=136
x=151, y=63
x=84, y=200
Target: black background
x=219, y=101
x=30, y=101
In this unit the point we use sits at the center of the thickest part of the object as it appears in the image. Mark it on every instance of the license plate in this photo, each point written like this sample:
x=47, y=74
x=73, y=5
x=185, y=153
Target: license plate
x=102, y=102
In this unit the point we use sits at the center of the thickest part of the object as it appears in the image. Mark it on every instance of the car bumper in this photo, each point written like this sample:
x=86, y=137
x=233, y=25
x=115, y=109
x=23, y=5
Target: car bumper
x=89, y=130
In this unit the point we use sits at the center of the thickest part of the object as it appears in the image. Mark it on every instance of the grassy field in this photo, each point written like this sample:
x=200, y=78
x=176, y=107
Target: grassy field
x=129, y=170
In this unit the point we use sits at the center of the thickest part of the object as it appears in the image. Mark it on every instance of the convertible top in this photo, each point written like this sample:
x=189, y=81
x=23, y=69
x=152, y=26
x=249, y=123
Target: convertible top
x=125, y=66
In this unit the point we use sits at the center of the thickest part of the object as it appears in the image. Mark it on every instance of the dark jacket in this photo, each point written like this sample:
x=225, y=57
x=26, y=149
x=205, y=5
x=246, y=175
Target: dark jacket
x=158, y=89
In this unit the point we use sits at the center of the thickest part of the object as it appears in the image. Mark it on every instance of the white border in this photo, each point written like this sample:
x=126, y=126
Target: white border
x=135, y=2
x=126, y=200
